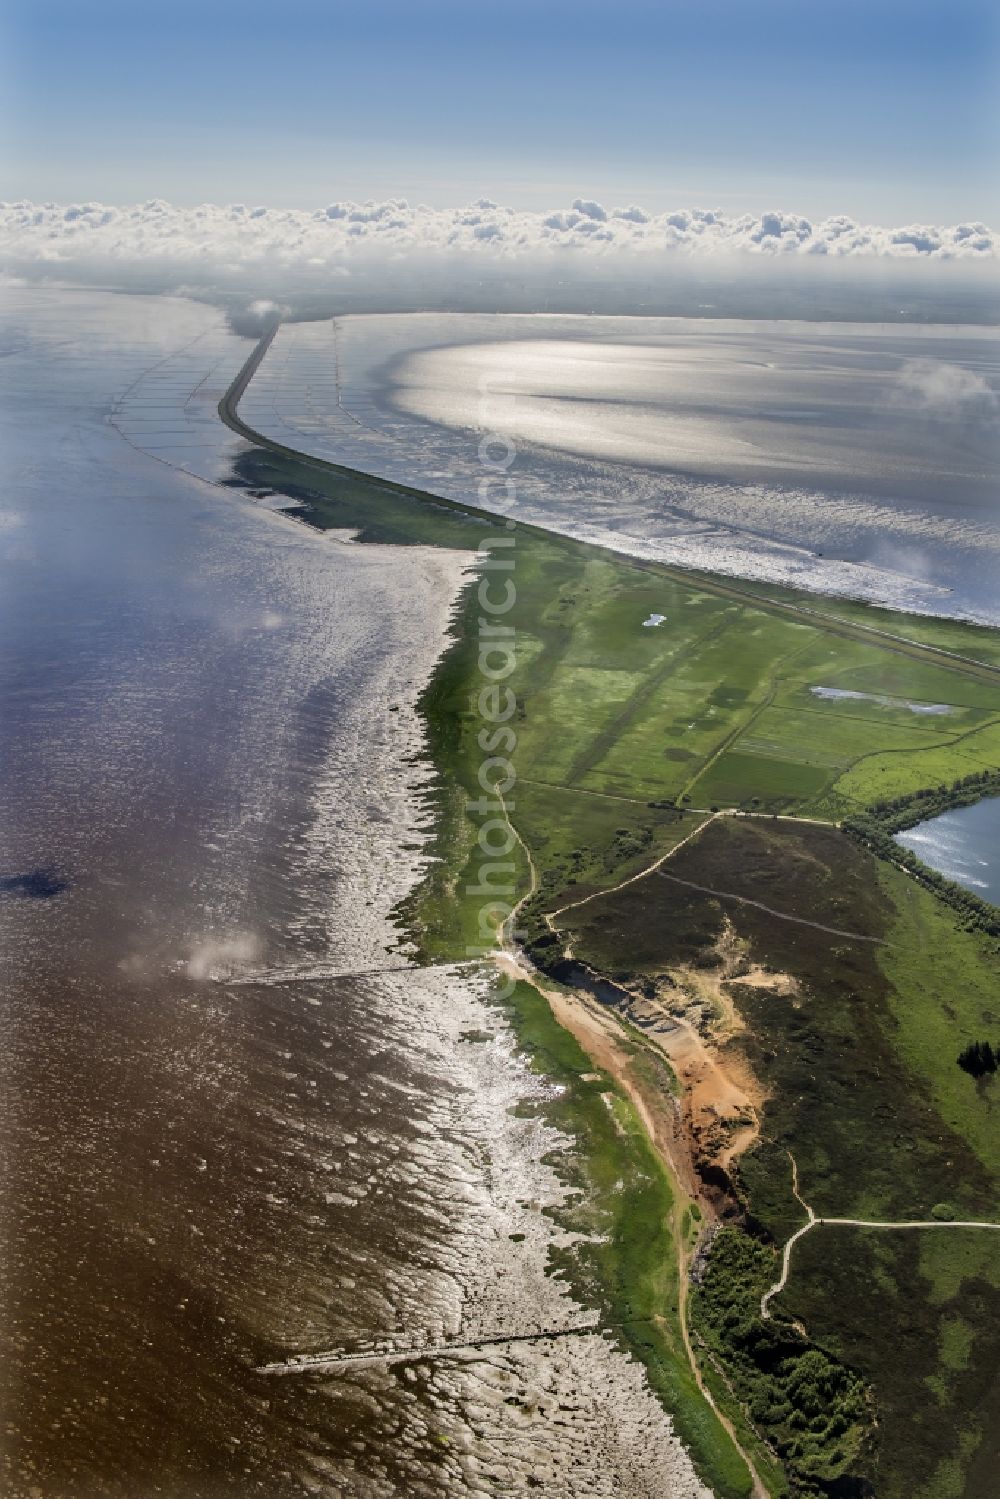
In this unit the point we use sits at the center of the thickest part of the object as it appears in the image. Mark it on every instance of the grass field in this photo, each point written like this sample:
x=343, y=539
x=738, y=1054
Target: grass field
x=716, y=704
x=976, y=641
x=717, y=707
x=944, y=993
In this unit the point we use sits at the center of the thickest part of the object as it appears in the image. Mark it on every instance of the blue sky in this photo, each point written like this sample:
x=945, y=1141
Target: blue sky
x=880, y=110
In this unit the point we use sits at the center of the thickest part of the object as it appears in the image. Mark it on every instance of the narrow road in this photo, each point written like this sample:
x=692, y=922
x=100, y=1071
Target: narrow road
x=786, y=1258
x=507, y=933
x=642, y=801
x=815, y=822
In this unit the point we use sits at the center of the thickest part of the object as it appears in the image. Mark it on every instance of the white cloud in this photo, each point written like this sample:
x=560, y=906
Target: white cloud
x=239, y=249
x=222, y=957
x=254, y=320
x=946, y=391
x=156, y=227
x=635, y=215
x=591, y=209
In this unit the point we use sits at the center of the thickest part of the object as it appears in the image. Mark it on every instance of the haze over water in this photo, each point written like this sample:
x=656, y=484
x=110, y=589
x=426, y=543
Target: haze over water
x=238, y=1126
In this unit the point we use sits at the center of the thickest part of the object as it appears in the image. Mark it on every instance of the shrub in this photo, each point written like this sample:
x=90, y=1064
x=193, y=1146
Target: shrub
x=979, y=1059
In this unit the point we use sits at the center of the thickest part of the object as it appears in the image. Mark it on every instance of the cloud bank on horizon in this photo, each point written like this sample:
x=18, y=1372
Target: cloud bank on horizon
x=358, y=246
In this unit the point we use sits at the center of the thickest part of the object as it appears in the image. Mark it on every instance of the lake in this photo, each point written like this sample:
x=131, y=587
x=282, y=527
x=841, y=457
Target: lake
x=963, y=844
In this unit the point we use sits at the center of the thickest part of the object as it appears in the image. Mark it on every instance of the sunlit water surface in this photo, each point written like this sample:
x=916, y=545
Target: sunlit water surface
x=850, y=458
x=964, y=845
x=237, y=1125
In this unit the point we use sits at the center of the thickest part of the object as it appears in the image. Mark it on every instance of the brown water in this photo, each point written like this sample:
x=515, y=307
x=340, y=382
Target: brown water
x=236, y=1125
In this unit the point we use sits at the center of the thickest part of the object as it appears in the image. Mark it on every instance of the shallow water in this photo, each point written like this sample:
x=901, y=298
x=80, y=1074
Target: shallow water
x=850, y=694
x=962, y=844
x=237, y=1124
x=847, y=458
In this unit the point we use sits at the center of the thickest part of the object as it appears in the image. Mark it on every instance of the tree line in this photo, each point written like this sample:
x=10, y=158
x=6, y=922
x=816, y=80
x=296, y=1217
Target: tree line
x=876, y=827
x=917, y=806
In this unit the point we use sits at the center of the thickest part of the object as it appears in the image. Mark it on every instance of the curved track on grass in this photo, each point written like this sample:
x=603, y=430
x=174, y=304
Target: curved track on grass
x=814, y=1221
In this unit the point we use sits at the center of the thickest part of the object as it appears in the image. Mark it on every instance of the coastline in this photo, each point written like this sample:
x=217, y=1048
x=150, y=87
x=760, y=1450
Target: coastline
x=777, y=597
x=644, y=1334
x=355, y=1161
x=429, y=912
x=340, y=391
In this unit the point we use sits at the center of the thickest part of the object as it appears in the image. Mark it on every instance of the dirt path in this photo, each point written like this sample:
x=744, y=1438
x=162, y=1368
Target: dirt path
x=633, y=879
x=834, y=931
x=814, y=1221
x=602, y=1038
x=642, y=801
x=815, y=822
